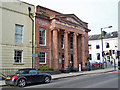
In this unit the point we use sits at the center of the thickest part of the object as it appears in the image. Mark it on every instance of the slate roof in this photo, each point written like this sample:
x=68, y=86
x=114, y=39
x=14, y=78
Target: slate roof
x=107, y=35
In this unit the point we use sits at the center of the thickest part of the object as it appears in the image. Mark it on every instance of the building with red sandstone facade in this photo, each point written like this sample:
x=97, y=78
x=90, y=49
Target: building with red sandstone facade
x=61, y=40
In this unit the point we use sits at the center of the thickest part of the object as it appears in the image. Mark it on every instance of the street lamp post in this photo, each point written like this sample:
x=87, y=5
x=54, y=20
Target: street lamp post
x=102, y=44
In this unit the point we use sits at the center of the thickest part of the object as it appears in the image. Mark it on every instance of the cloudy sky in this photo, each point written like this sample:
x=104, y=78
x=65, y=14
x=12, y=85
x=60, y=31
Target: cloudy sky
x=97, y=13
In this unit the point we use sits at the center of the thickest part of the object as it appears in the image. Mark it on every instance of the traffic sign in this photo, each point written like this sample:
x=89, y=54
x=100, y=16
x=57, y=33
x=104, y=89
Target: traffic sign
x=35, y=55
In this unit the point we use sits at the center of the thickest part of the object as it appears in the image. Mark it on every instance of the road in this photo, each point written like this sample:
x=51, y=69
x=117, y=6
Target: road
x=103, y=80
x=106, y=80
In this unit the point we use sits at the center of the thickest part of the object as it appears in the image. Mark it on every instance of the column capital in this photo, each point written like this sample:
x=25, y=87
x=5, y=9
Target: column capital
x=55, y=29
x=83, y=35
x=76, y=34
x=58, y=30
x=66, y=32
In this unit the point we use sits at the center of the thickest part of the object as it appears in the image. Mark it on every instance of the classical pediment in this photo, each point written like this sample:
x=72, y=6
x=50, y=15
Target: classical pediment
x=70, y=18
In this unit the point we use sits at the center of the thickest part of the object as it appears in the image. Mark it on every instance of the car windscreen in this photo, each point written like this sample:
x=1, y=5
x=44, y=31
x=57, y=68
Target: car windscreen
x=22, y=72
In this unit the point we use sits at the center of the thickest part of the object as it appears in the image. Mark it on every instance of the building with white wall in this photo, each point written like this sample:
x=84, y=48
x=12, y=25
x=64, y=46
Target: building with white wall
x=110, y=44
x=15, y=35
x=119, y=28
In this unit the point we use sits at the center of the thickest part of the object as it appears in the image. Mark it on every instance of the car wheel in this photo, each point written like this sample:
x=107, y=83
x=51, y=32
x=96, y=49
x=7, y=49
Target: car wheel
x=47, y=79
x=21, y=83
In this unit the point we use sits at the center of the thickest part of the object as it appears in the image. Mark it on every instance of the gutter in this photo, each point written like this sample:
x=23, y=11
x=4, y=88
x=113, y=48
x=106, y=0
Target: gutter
x=29, y=8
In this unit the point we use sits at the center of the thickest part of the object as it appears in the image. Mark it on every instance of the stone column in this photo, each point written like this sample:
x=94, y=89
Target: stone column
x=87, y=49
x=50, y=49
x=75, y=51
x=83, y=52
x=79, y=50
x=55, y=49
x=65, y=50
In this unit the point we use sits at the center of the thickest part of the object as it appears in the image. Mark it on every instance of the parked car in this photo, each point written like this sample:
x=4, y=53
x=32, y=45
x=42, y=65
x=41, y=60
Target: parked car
x=27, y=76
x=2, y=76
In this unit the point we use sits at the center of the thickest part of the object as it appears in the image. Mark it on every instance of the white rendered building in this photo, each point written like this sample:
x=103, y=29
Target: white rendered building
x=110, y=45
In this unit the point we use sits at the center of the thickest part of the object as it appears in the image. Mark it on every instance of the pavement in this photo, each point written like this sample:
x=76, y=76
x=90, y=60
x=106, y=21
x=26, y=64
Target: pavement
x=72, y=74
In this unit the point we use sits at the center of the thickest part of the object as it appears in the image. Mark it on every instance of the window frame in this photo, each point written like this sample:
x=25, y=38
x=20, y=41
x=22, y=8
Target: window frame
x=107, y=45
x=45, y=59
x=89, y=46
x=108, y=58
x=71, y=43
x=44, y=36
x=98, y=54
x=21, y=57
x=16, y=34
x=113, y=51
x=33, y=72
x=62, y=41
x=90, y=56
x=97, y=46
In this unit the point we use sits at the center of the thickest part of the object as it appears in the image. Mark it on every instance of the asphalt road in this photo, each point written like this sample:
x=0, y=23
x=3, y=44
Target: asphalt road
x=106, y=80
x=103, y=80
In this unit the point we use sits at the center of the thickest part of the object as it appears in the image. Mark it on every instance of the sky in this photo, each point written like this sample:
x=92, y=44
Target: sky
x=97, y=13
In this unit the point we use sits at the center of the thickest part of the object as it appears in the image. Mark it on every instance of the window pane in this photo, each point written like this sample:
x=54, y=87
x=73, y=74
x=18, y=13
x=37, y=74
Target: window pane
x=42, y=60
x=113, y=51
x=90, y=56
x=19, y=27
x=98, y=56
x=42, y=36
x=32, y=72
x=42, y=57
x=17, y=56
x=18, y=40
x=97, y=46
x=62, y=41
x=18, y=33
x=107, y=45
x=71, y=42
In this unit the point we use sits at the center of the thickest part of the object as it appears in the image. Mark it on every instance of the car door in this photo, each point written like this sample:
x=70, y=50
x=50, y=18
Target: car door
x=40, y=77
x=34, y=76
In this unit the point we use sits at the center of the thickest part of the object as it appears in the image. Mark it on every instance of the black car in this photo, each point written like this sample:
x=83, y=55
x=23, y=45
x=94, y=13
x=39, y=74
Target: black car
x=27, y=76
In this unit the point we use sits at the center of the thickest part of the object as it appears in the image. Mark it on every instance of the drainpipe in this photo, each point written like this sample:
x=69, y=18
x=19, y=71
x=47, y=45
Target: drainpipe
x=29, y=8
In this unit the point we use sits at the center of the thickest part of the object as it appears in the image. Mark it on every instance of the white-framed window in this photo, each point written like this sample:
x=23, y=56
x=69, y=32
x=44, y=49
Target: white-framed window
x=42, y=58
x=18, y=56
x=62, y=41
x=18, y=33
x=42, y=37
